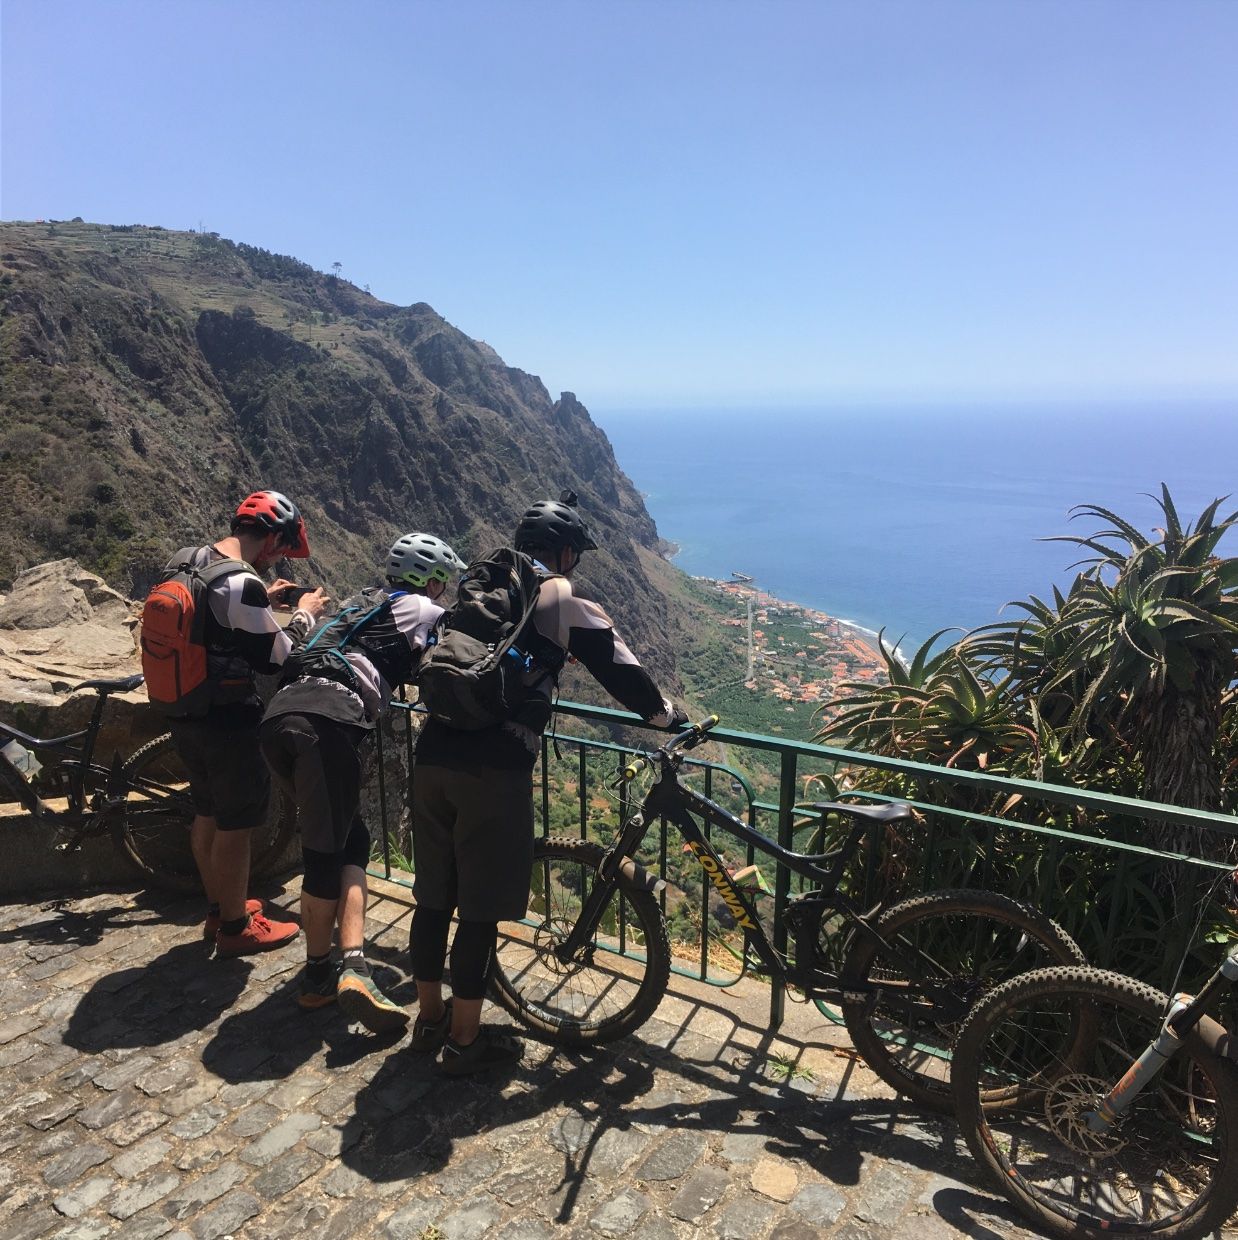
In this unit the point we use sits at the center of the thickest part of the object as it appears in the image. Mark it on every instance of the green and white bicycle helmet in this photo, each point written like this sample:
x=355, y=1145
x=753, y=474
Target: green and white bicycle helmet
x=418, y=559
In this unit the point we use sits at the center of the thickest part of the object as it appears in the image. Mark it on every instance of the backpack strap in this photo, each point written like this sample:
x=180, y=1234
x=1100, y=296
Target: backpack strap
x=211, y=573
x=206, y=575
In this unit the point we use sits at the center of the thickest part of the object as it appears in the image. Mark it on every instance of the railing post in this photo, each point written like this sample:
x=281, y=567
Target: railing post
x=709, y=790
x=382, y=797
x=782, y=878
x=545, y=785
x=582, y=776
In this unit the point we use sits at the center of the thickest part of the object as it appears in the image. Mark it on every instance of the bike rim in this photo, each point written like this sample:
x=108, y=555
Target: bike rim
x=958, y=956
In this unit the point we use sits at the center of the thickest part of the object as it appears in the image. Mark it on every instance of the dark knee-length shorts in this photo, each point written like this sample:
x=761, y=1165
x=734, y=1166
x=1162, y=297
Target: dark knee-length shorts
x=228, y=779
x=315, y=761
x=473, y=841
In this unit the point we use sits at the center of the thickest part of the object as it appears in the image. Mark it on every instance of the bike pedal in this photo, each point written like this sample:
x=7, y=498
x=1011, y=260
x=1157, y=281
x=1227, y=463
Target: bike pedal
x=68, y=846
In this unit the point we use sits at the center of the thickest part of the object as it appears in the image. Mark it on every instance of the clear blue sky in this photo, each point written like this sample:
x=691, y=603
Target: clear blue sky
x=682, y=203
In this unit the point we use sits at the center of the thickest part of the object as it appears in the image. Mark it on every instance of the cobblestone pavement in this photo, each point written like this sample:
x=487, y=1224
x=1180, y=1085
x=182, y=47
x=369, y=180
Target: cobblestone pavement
x=149, y=1090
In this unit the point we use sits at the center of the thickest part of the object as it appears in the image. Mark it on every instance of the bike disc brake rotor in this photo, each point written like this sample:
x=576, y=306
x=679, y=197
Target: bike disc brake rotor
x=1068, y=1102
x=546, y=938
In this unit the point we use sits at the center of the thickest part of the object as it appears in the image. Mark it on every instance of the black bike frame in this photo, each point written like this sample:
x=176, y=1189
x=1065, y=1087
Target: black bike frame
x=670, y=800
x=76, y=761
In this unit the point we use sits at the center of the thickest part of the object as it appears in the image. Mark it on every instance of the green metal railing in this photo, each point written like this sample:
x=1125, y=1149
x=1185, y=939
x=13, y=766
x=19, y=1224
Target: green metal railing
x=1035, y=857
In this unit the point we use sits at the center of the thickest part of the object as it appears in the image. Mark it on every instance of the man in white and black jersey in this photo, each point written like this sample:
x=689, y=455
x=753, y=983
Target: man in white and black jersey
x=336, y=687
x=473, y=798
x=228, y=779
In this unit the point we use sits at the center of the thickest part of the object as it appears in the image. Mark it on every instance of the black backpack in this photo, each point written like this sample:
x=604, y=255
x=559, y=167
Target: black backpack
x=475, y=672
x=364, y=623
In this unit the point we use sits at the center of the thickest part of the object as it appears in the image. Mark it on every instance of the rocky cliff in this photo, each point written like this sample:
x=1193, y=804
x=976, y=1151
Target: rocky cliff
x=61, y=625
x=152, y=378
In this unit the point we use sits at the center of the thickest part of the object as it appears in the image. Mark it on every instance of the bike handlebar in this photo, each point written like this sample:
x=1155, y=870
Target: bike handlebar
x=689, y=738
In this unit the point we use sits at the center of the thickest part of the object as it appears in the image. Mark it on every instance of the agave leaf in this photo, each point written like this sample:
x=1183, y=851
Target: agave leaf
x=1127, y=636
x=1185, y=610
x=1104, y=554
x=1173, y=532
x=921, y=658
x=1127, y=531
x=1207, y=518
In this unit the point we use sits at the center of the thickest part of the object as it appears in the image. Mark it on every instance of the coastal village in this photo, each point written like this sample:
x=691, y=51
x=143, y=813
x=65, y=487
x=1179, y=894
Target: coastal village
x=796, y=654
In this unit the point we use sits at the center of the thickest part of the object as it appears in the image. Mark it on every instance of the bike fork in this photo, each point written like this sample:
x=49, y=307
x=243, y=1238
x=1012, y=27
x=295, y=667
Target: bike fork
x=588, y=921
x=1138, y=1076
x=1162, y=1048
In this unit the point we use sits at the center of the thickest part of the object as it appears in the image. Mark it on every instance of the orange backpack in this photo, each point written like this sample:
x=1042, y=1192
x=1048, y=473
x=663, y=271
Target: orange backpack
x=173, y=631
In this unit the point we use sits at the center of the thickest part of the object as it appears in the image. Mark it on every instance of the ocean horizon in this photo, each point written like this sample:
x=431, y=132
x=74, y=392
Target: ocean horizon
x=915, y=519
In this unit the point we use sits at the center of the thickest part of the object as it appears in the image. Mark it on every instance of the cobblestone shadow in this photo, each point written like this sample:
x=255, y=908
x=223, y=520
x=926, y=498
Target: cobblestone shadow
x=75, y=923
x=177, y=993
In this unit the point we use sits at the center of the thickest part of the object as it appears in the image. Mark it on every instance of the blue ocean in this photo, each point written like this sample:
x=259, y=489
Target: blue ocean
x=916, y=519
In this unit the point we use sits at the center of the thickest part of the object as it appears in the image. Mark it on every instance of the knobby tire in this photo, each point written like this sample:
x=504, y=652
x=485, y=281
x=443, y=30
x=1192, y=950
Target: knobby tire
x=1169, y=1167
x=154, y=833
x=964, y=944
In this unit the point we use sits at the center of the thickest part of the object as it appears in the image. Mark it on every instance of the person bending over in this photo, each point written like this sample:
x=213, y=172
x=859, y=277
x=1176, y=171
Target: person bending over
x=334, y=691
x=473, y=799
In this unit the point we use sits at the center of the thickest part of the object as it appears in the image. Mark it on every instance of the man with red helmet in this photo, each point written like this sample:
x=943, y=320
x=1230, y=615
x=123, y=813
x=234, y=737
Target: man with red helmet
x=228, y=778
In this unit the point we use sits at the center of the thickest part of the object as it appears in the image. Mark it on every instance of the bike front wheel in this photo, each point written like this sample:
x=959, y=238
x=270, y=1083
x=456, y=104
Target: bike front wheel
x=154, y=833
x=937, y=955
x=1168, y=1167
x=612, y=985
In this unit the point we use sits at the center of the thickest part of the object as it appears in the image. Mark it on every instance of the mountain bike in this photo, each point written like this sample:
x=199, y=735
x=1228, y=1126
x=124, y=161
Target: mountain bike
x=141, y=802
x=591, y=961
x=1100, y=1106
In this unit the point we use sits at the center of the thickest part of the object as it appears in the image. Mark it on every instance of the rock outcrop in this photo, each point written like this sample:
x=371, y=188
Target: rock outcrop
x=61, y=625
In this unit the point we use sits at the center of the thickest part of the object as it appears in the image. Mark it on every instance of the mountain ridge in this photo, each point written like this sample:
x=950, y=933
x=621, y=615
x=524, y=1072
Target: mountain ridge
x=153, y=378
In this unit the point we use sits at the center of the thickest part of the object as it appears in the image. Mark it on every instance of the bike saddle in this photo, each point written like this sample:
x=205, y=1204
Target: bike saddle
x=123, y=685
x=892, y=811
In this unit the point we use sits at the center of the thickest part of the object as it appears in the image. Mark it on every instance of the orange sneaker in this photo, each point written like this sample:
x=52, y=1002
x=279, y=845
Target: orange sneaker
x=210, y=927
x=261, y=935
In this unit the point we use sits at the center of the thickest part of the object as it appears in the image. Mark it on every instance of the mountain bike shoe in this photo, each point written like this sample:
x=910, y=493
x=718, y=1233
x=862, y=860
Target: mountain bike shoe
x=361, y=1000
x=317, y=993
x=492, y=1048
x=430, y=1035
x=210, y=927
x=261, y=935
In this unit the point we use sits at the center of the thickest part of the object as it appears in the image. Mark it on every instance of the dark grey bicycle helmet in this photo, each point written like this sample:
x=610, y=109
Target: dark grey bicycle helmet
x=554, y=523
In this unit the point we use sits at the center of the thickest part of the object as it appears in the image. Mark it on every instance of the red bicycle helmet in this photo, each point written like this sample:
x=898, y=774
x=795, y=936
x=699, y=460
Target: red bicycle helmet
x=276, y=514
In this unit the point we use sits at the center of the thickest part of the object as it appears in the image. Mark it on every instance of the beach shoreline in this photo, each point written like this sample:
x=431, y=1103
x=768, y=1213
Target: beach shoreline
x=800, y=655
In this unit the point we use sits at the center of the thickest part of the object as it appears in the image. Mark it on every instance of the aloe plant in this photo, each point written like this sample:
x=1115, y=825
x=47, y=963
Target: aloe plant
x=1124, y=683
x=940, y=708
x=1153, y=630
